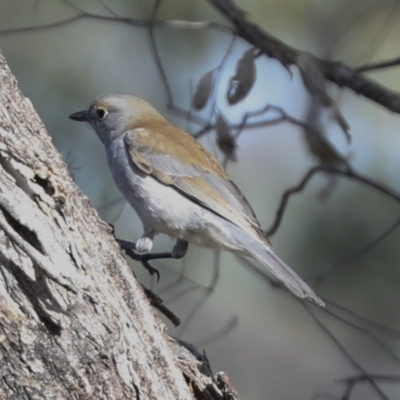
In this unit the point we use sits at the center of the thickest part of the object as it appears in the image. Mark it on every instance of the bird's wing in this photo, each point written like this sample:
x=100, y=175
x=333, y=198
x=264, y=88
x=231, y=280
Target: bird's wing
x=176, y=159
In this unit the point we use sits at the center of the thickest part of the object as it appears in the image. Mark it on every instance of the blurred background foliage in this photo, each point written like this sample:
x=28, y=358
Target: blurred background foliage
x=268, y=343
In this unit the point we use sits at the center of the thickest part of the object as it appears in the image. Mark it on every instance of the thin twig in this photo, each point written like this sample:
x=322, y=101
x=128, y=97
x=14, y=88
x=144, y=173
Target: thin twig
x=378, y=377
x=320, y=278
x=373, y=324
x=140, y=23
x=285, y=198
x=156, y=55
x=52, y=25
x=209, y=290
x=157, y=302
x=283, y=116
x=394, y=62
x=346, y=28
x=390, y=19
x=353, y=362
x=380, y=344
x=346, y=172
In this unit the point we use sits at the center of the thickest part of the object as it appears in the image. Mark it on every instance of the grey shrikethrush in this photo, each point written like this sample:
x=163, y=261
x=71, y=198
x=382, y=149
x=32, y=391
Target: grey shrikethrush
x=178, y=188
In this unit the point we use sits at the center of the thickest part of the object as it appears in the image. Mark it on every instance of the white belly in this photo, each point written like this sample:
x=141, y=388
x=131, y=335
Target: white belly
x=160, y=208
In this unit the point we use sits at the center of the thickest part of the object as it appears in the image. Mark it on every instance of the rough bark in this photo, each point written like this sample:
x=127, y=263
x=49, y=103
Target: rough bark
x=74, y=322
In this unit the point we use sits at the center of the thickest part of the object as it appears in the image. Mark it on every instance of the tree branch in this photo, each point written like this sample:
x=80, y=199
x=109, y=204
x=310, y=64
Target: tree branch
x=336, y=72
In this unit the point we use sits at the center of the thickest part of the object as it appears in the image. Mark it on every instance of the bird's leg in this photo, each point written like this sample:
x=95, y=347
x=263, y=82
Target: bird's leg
x=145, y=244
x=180, y=249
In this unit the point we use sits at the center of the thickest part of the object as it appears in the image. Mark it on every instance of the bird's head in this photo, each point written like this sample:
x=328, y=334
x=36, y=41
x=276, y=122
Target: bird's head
x=112, y=115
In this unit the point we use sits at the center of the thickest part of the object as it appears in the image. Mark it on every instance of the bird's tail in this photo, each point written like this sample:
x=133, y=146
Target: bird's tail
x=283, y=272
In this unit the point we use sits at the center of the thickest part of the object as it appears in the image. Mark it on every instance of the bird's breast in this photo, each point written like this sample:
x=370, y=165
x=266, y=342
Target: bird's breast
x=160, y=207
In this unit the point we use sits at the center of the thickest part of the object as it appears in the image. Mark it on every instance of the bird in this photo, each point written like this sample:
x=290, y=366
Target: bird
x=179, y=188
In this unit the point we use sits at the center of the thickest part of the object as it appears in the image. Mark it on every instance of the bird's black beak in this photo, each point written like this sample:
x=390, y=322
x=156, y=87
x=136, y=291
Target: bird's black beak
x=81, y=116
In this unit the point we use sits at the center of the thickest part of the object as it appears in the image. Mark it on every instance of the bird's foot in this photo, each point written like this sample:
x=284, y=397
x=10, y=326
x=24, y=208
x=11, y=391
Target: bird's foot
x=145, y=243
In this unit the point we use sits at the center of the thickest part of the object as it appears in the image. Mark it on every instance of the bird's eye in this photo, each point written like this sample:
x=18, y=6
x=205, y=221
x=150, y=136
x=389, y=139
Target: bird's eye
x=101, y=113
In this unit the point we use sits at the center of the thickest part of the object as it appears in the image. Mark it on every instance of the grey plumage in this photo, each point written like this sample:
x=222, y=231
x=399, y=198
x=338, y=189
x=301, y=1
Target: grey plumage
x=178, y=188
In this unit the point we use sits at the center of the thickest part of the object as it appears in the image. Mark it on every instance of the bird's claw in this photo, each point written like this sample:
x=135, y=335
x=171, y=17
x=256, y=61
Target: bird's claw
x=152, y=271
x=129, y=248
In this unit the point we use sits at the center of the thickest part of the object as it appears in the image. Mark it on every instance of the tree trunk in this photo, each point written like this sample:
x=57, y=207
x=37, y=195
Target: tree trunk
x=74, y=322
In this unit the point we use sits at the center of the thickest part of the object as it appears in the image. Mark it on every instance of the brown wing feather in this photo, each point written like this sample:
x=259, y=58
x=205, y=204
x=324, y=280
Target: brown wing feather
x=176, y=159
